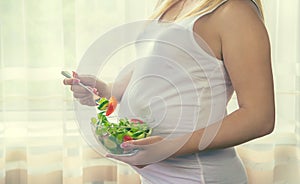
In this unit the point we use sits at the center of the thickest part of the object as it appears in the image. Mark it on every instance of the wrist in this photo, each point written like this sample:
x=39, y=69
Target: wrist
x=103, y=89
x=191, y=145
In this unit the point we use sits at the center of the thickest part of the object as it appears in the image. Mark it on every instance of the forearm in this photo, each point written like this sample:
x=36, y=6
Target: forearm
x=236, y=128
x=103, y=89
x=115, y=88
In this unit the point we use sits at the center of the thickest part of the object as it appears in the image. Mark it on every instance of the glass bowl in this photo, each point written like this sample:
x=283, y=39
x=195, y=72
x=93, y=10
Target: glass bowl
x=111, y=132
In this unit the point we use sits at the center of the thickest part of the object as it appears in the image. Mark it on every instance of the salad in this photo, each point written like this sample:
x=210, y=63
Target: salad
x=112, y=135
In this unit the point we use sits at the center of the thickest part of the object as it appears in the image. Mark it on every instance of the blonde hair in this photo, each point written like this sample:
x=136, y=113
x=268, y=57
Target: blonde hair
x=203, y=6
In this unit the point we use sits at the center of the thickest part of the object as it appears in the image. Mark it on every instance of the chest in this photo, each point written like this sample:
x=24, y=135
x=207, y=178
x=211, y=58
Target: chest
x=205, y=27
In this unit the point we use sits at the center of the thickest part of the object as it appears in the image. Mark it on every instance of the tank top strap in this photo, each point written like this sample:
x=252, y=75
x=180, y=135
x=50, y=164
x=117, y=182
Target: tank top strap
x=254, y=1
x=191, y=21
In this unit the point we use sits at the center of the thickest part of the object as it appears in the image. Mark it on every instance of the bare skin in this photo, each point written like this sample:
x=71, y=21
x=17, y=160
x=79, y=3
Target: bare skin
x=236, y=35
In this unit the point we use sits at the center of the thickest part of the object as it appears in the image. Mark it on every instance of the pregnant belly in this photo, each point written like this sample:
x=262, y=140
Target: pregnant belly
x=177, y=103
x=169, y=114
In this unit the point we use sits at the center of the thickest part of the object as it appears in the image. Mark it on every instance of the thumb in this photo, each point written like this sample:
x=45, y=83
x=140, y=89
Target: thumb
x=134, y=144
x=141, y=142
x=87, y=80
x=145, y=141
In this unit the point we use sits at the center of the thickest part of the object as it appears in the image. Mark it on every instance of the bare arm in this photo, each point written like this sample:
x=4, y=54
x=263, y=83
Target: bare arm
x=246, y=53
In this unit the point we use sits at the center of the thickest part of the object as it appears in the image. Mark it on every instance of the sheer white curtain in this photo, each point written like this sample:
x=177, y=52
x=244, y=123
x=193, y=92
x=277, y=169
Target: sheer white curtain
x=40, y=142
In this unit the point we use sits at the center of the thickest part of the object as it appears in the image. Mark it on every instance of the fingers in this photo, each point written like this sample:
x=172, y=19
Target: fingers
x=146, y=141
x=71, y=81
x=141, y=143
x=83, y=95
x=88, y=81
x=84, y=79
x=79, y=89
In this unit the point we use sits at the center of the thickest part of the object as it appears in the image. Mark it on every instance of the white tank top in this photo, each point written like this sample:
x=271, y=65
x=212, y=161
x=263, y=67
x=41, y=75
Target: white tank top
x=179, y=87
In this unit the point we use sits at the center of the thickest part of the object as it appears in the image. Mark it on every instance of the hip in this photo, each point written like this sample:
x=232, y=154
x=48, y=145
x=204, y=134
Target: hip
x=211, y=167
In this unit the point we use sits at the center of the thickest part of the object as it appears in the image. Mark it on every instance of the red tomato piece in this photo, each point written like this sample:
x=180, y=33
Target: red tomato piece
x=112, y=104
x=127, y=138
x=136, y=121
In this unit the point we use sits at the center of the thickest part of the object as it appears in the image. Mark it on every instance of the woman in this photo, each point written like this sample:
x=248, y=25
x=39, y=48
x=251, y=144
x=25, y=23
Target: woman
x=235, y=33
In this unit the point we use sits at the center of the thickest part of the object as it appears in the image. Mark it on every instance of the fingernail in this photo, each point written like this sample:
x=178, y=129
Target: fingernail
x=75, y=75
x=124, y=145
x=95, y=90
x=75, y=81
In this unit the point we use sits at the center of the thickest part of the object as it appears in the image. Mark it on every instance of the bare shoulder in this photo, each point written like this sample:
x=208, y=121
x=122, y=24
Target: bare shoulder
x=240, y=6
x=232, y=21
x=240, y=12
x=240, y=20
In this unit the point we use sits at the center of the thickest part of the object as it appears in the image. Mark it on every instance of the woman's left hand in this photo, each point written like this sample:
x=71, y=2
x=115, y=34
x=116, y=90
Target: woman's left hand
x=150, y=151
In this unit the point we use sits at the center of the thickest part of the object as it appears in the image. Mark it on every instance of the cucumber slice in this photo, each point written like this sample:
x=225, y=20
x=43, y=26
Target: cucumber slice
x=94, y=120
x=103, y=103
x=136, y=134
x=143, y=135
x=129, y=133
x=149, y=132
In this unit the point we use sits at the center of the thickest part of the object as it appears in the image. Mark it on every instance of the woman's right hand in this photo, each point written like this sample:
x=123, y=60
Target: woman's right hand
x=84, y=96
